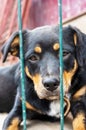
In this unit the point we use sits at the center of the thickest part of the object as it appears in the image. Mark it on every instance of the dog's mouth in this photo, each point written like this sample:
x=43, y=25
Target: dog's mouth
x=45, y=94
x=52, y=97
x=55, y=95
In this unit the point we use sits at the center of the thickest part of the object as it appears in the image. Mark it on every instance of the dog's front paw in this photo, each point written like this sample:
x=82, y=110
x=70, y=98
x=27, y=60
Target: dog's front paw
x=13, y=125
x=79, y=123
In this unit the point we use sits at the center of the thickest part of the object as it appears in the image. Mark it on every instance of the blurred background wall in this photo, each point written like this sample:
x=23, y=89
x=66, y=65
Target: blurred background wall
x=38, y=13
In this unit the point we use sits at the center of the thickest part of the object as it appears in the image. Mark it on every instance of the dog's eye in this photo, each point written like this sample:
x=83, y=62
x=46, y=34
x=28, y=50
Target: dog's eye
x=33, y=58
x=66, y=54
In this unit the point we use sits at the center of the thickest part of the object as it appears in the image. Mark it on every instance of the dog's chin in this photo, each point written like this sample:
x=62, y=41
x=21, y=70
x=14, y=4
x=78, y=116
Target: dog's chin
x=49, y=96
x=52, y=97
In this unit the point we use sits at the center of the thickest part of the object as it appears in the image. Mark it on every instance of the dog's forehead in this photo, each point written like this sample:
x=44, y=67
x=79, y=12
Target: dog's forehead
x=44, y=35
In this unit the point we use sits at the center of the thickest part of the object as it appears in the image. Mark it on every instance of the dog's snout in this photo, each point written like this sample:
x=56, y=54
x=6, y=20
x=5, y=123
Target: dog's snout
x=50, y=84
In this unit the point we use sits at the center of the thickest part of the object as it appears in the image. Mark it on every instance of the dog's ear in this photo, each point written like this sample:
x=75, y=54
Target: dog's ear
x=80, y=45
x=12, y=45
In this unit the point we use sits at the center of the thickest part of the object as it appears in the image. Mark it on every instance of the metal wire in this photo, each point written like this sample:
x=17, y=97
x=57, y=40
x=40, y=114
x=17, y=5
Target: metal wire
x=22, y=65
x=61, y=65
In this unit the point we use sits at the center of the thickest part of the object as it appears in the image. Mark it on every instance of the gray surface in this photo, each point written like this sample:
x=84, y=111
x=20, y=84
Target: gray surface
x=39, y=125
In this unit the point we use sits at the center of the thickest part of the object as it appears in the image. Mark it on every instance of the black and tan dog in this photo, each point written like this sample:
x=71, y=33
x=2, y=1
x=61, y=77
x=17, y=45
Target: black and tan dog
x=41, y=51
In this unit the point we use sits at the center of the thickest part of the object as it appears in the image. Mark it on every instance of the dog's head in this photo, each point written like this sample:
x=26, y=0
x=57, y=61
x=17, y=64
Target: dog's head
x=41, y=51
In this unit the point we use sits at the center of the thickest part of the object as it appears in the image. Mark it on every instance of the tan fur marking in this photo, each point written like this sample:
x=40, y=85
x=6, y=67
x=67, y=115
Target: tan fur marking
x=80, y=92
x=67, y=76
x=15, y=42
x=56, y=46
x=38, y=49
x=14, y=124
x=29, y=106
x=35, y=78
x=27, y=72
x=15, y=53
x=78, y=122
x=75, y=39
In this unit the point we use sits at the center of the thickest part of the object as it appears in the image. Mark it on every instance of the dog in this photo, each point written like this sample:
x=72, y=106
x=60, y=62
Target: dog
x=42, y=76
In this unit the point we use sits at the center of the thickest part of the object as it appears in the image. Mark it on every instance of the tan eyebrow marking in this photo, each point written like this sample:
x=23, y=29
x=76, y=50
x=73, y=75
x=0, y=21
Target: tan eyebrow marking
x=80, y=92
x=38, y=49
x=75, y=39
x=56, y=46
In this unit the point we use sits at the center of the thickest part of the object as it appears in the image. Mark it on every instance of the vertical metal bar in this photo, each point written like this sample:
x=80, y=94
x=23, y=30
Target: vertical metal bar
x=22, y=65
x=61, y=65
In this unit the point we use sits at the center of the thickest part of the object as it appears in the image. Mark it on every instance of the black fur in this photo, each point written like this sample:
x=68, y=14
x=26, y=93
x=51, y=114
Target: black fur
x=45, y=64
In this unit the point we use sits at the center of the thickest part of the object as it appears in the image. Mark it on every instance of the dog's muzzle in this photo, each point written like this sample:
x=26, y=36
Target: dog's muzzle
x=52, y=85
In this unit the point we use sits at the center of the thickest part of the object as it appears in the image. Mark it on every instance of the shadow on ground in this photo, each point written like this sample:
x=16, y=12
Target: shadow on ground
x=39, y=125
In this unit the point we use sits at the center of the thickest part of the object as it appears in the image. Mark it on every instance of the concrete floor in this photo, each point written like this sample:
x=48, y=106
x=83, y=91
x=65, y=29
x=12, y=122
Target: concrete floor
x=39, y=125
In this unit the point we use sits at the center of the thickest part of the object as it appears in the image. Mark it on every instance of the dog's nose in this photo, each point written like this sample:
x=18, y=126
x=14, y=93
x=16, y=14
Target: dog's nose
x=50, y=84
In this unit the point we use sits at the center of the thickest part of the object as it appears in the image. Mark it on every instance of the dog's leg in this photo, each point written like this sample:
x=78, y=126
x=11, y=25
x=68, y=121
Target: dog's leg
x=14, y=118
x=79, y=115
x=79, y=122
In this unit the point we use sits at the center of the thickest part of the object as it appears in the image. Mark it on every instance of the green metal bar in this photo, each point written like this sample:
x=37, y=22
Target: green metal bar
x=22, y=65
x=61, y=65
